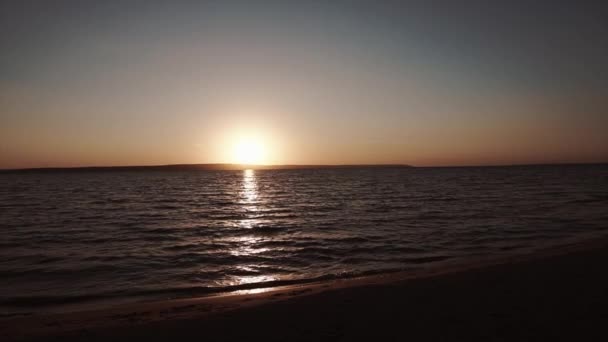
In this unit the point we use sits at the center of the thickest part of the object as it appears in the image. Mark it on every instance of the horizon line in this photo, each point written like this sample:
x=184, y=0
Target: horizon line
x=236, y=166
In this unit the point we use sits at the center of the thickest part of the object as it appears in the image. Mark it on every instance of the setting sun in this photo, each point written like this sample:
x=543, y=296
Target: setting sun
x=249, y=151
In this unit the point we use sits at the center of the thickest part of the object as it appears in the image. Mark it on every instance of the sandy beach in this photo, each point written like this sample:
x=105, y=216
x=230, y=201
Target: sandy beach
x=559, y=294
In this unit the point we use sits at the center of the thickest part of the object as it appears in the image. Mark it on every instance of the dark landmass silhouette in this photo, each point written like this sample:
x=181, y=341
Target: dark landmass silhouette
x=236, y=167
x=195, y=167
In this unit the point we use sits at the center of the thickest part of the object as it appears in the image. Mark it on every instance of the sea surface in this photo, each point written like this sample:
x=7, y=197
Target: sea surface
x=78, y=238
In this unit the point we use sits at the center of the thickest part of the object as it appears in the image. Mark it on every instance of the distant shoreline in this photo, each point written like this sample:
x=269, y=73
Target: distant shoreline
x=239, y=167
x=196, y=167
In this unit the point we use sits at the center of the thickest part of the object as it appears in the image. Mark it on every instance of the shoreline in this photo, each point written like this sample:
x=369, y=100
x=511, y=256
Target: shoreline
x=449, y=265
x=146, y=315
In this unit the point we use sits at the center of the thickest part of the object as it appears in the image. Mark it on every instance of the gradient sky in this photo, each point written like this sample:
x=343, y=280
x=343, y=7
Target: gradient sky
x=328, y=82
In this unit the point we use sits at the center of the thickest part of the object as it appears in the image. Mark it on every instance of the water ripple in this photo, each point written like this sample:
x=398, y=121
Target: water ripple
x=110, y=234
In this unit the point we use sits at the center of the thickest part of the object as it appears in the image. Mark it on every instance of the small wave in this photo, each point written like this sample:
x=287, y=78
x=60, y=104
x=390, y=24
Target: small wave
x=176, y=292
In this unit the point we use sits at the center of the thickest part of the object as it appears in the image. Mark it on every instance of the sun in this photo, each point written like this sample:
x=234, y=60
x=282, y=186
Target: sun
x=249, y=151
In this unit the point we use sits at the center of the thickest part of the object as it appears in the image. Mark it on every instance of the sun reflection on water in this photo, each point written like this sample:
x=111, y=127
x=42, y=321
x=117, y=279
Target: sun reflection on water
x=249, y=193
x=248, y=245
x=248, y=199
x=254, y=291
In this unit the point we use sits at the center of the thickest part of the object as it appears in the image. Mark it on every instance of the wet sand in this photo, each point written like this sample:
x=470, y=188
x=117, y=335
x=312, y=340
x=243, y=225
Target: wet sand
x=559, y=294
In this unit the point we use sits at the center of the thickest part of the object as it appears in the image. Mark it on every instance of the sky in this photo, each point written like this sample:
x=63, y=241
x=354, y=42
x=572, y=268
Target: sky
x=302, y=82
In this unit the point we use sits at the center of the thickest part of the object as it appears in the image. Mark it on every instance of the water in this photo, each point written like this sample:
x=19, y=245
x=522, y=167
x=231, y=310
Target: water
x=102, y=236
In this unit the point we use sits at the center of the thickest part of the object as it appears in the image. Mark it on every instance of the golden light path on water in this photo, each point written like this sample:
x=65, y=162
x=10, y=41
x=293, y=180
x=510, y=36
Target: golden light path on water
x=249, y=200
x=249, y=193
